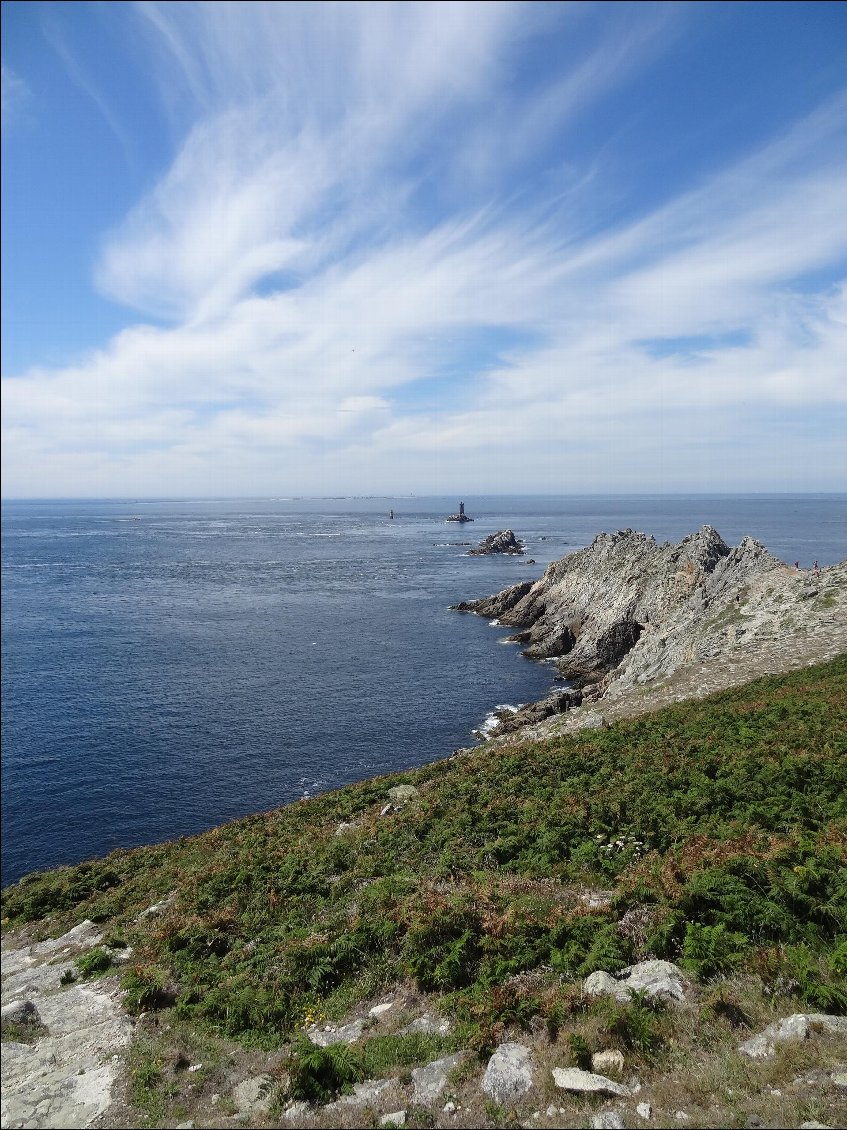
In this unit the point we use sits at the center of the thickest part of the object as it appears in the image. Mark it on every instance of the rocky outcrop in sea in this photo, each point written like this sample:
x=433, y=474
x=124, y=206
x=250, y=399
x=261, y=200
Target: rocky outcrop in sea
x=627, y=611
x=504, y=541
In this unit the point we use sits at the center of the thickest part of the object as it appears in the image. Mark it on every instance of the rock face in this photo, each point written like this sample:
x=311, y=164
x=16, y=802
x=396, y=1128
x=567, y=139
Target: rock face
x=65, y=1077
x=626, y=611
x=503, y=541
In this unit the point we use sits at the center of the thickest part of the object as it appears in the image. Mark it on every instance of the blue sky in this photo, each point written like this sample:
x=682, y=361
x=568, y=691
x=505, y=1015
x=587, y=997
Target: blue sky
x=260, y=249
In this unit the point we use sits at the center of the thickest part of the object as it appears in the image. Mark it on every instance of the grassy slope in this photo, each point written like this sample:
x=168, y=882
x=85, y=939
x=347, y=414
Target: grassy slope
x=711, y=833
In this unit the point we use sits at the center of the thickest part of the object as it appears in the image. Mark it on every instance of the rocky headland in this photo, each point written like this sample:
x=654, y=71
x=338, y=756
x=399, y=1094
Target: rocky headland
x=503, y=541
x=627, y=613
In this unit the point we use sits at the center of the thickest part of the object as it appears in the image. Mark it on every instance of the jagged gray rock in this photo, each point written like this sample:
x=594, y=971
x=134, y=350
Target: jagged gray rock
x=504, y=541
x=626, y=611
x=508, y=1074
x=430, y=1081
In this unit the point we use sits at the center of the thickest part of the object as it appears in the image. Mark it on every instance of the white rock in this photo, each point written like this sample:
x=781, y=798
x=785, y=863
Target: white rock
x=295, y=1111
x=645, y=1111
x=508, y=1074
x=814, y=1126
x=380, y=1009
x=396, y=1118
x=346, y=1034
x=602, y=984
x=609, y=1062
x=681, y=1116
x=798, y=1026
x=656, y=979
x=450, y=1107
x=584, y=1082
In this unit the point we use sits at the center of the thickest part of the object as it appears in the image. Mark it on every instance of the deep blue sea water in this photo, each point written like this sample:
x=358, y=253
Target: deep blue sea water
x=168, y=666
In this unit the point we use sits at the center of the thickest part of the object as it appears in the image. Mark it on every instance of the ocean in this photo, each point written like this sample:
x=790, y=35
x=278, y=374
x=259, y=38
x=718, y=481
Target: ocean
x=171, y=665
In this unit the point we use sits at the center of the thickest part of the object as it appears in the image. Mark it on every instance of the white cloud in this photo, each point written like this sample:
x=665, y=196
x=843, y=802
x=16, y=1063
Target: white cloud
x=15, y=96
x=309, y=305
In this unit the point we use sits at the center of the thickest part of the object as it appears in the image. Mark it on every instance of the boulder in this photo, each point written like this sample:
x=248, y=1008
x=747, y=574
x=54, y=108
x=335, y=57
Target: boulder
x=798, y=1026
x=586, y=1082
x=609, y=1062
x=508, y=1074
x=655, y=978
x=430, y=1081
x=20, y=1012
x=364, y=1094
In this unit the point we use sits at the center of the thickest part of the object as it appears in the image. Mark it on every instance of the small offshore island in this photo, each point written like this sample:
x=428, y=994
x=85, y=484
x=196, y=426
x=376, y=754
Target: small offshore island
x=626, y=909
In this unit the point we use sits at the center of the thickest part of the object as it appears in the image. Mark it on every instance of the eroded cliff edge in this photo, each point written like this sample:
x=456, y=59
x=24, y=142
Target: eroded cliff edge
x=627, y=612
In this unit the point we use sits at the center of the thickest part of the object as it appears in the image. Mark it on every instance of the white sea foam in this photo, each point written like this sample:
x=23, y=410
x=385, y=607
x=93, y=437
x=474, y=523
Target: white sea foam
x=494, y=623
x=493, y=719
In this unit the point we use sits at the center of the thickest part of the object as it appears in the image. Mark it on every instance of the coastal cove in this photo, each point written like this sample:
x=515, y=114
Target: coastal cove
x=168, y=666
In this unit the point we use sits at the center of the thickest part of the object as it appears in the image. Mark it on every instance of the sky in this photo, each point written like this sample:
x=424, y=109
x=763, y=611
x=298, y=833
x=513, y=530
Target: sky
x=440, y=248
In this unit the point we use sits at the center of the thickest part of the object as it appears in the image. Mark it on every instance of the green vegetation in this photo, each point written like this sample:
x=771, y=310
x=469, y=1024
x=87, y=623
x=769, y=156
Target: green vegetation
x=711, y=833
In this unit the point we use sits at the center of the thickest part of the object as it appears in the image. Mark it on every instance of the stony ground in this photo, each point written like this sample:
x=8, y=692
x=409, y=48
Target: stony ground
x=79, y=1071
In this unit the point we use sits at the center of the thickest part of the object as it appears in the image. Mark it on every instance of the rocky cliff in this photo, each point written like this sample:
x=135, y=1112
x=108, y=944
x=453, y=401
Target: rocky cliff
x=626, y=610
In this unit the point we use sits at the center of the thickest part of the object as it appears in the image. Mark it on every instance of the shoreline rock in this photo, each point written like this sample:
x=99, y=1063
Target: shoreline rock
x=626, y=611
x=504, y=541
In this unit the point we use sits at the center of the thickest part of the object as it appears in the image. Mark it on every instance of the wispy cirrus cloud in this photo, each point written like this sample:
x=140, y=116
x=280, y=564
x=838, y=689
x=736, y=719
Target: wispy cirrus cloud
x=14, y=94
x=316, y=286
